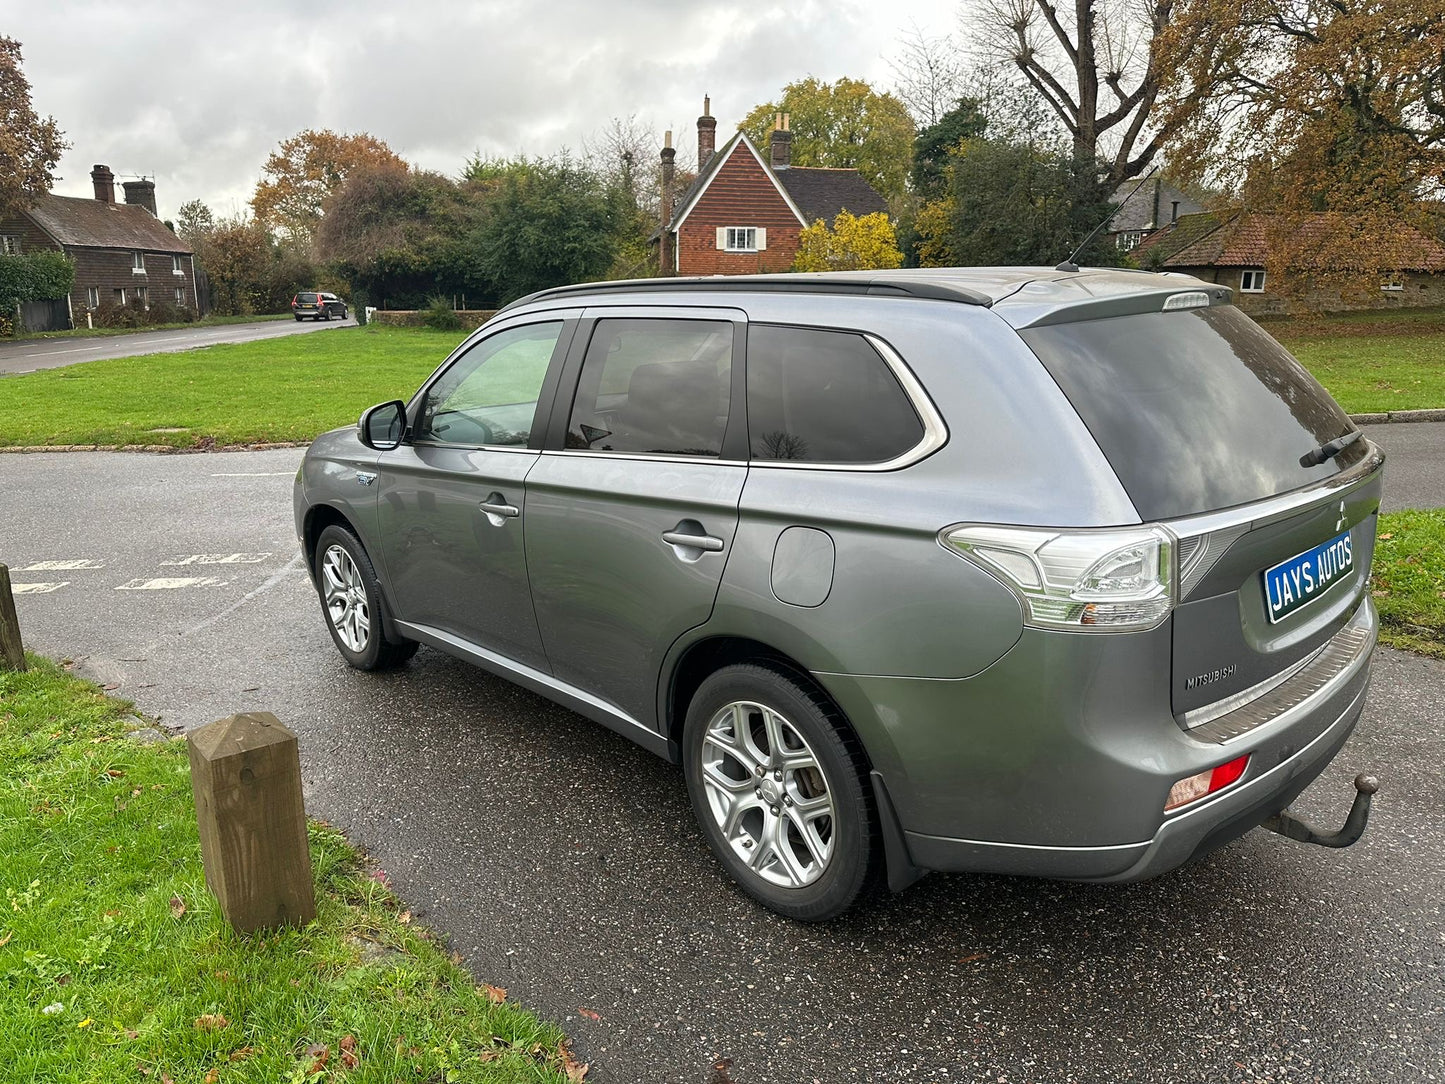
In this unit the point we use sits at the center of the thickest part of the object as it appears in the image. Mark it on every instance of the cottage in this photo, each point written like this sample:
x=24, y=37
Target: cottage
x=1234, y=248
x=123, y=253
x=744, y=215
x=1146, y=208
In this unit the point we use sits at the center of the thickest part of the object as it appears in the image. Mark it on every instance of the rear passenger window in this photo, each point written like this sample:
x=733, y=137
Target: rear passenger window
x=654, y=386
x=825, y=397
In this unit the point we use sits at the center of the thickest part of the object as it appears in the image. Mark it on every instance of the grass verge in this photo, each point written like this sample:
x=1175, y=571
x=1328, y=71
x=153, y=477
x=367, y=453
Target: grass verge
x=115, y=963
x=109, y=332
x=1409, y=581
x=290, y=388
x=1373, y=361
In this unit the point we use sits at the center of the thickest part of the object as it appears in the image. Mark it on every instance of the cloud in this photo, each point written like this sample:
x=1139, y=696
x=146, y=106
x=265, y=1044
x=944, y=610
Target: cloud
x=198, y=96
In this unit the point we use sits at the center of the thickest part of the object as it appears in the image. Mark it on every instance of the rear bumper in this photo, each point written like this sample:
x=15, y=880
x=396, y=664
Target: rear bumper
x=1077, y=790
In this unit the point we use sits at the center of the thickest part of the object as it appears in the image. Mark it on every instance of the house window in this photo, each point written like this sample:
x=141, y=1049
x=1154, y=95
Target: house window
x=1129, y=239
x=176, y=266
x=180, y=295
x=120, y=295
x=143, y=296
x=741, y=239
x=9, y=244
x=1251, y=282
x=1393, y=286
x=92, y=297
x=137, y=263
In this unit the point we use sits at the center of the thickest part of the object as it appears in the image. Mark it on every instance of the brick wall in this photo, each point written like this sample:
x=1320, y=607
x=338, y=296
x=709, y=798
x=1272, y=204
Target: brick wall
x=740, y=194
x=1420, y=290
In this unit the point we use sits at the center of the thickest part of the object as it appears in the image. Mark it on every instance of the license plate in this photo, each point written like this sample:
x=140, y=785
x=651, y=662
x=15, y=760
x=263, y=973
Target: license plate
x=1304, y=577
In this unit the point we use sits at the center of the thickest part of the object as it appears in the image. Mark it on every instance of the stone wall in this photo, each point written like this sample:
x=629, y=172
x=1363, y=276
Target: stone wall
x=1418, y=290
x=470, y=318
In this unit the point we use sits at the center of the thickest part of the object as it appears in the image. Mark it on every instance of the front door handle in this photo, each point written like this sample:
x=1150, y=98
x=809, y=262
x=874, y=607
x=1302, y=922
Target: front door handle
x=705, y=542
x=496, y=506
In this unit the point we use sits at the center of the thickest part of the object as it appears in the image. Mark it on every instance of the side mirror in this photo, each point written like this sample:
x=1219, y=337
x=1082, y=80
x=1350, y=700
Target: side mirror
x=383, y=426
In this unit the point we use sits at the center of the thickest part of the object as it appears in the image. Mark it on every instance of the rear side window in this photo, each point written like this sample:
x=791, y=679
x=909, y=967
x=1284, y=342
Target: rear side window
x=824, y=397
x=1197, y=410
x=654, y=386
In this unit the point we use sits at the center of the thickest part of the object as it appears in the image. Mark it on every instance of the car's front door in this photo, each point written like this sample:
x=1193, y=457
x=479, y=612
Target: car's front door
x=633, y=506
x=451, y=500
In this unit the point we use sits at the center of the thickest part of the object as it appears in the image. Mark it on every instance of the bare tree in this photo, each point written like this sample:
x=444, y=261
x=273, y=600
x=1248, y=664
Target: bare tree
x=928, y=73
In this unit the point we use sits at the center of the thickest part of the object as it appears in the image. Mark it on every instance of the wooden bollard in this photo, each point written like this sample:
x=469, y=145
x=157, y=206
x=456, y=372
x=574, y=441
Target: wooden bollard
x=12, y=653
x=246, y=775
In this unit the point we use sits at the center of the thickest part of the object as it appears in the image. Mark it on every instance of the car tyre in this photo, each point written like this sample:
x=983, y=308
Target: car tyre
x=298, y=319
x=779, y=784
x=353, y=605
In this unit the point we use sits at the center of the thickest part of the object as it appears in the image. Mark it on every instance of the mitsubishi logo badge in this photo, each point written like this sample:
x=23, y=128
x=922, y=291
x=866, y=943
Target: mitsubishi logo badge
x=1340, y=524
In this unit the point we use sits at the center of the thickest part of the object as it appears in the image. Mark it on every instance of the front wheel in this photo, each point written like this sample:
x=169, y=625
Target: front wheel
x=351, y=600
x=779, y=784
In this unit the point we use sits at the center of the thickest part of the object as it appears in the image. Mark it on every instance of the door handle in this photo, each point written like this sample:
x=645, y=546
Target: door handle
x=704, y=542
x=497, y=506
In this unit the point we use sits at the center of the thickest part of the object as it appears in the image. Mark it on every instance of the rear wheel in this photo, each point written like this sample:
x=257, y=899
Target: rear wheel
x=779, y=784
x=298, y=319
x=351, y=600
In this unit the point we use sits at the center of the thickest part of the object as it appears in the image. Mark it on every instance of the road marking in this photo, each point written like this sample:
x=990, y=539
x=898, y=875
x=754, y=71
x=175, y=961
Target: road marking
x=292, y=566
x=217, y=559
x=171, y=583
x=257, y=474
x=37, y=588
x=60, y=566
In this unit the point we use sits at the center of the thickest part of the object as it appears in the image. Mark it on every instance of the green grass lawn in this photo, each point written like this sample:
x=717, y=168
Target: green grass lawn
x=1409, y=580
x=290, y=388
x=1373, y=361
x=115, y=964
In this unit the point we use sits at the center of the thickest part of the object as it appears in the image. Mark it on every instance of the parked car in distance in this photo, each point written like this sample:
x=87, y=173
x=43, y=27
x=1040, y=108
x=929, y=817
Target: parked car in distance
x=318, y=306
x=1049, y=572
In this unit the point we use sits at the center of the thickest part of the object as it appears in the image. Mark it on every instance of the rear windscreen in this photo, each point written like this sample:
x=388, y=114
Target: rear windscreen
x=1196, y=410
x=306, y=299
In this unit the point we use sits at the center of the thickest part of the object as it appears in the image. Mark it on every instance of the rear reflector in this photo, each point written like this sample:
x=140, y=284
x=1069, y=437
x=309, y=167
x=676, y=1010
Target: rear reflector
x=1205, y=783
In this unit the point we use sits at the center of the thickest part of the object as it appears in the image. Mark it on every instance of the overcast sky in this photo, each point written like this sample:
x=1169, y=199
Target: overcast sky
x=196, y=95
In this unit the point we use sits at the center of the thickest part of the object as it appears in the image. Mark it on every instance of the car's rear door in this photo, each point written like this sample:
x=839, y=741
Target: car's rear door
x=451, y=501
x=633, y=505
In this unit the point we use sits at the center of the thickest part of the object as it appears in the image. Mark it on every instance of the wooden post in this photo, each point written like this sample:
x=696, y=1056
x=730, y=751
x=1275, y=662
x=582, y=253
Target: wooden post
x=246, y=776
x=12, y=653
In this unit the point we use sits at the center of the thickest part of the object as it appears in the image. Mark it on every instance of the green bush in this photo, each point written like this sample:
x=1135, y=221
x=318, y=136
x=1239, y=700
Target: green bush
x=38, y=276
x=440, y=316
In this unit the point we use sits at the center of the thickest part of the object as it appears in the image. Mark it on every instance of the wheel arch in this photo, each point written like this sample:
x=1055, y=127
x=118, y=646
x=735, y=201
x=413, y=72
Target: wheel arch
x=318, y=518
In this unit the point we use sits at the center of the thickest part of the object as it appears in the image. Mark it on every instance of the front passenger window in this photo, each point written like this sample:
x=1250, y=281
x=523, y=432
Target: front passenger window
x=489, y=395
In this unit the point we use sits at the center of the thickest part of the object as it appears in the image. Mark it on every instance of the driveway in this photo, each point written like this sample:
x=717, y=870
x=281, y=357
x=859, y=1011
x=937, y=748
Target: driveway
x=563, y=864
x=27, y=355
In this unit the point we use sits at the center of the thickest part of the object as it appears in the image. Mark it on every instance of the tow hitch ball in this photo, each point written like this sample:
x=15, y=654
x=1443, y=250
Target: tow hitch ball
x=1287, y=824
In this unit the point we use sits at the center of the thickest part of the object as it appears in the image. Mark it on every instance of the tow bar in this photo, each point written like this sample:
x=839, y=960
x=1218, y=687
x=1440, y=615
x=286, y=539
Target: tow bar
x=1287, y=824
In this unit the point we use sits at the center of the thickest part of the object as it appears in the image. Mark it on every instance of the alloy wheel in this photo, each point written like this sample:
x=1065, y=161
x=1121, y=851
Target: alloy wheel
x=768, y=794
x=346, y=599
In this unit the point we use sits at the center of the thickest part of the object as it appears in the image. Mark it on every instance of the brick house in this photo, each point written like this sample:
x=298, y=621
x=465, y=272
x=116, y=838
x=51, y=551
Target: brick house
x=1233, y=249
x=123, y=253
x=744, y=215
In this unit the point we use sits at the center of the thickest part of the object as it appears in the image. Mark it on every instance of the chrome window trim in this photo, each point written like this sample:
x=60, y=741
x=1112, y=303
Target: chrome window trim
x=645, y=456
x=935, y=430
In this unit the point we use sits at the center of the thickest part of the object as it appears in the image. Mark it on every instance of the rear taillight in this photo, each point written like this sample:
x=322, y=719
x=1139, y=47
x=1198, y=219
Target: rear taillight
x=1111, y=580
x=1205, y=783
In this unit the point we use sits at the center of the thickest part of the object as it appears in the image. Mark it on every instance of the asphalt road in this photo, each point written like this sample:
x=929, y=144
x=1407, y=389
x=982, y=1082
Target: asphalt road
x=1414, y=463
x=563, y=863
x=27, y=355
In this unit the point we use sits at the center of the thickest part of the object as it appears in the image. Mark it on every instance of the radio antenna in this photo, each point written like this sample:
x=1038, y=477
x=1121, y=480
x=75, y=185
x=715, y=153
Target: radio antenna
x=1069, y=264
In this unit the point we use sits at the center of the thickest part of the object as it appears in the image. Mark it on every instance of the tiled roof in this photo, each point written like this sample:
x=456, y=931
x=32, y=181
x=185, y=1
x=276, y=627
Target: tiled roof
x=1140, y=211
x=1241, y=239
x=822, y=193
x=95, y=224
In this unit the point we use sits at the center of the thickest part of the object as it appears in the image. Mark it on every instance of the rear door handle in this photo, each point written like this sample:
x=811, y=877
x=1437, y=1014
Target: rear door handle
x=695, y=541
x=497, y=505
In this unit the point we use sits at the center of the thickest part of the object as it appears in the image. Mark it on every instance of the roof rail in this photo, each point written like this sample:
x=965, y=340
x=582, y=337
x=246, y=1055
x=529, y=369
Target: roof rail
x=798, y=284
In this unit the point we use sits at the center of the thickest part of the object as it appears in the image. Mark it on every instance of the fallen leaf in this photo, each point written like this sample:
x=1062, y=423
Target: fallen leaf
x=575, y=1073
x=131, y=1034
x=495, y=994
x=320, y=1054
x=6, y=939
x=211, y=1022
x=589, y=1014
x=166, y=1078
x=241, y=1054
x=111, y=685
x=379, y=876
x=211, y=1077
x=975, y=956
x=115, y=773
x=136, y=793
x=178, y=906
x=404, y=918
x=1387, y=536
x=349, y=1057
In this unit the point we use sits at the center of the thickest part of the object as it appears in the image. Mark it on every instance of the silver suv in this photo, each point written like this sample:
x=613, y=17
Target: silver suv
x=1058, y=573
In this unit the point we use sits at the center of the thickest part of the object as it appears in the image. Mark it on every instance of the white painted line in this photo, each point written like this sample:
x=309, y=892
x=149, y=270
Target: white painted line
x=257, y=474
x=59, y=566
x=217, y=559
x=171, y=583
x=37, y=588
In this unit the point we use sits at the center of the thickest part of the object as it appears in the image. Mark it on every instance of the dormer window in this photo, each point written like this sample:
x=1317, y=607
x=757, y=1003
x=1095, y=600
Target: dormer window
x=137, y=263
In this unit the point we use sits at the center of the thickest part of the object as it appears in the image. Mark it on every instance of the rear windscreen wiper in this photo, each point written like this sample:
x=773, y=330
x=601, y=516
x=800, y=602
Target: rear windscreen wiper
x=1329, y=449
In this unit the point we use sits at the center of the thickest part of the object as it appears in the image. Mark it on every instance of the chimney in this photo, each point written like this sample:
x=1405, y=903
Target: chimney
x=664, y=245
x=782, y=146
x=142, y=193
x=706, y=134
x=104, y=181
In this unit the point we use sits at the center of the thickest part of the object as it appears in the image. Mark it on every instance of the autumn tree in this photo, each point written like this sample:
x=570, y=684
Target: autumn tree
x=303, y=171
x=939, y=141
x=862, y=243
x=846, y=124
x=30, y=147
